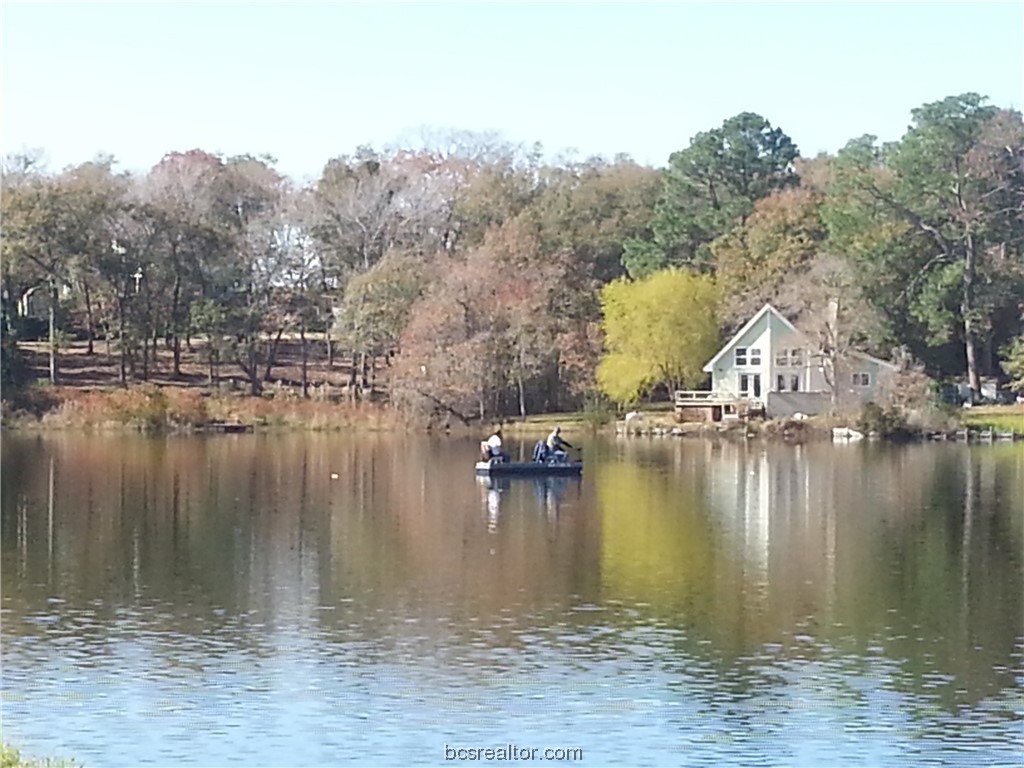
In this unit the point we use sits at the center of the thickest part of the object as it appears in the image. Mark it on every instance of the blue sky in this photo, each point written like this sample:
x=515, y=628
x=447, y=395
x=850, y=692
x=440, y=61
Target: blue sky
x=309, y=81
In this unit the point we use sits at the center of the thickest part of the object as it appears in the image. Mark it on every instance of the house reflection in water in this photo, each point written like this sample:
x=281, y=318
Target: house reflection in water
x=777, y=514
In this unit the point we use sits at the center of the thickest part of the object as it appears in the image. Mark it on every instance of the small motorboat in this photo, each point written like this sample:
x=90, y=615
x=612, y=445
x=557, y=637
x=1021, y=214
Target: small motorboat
x=495, y=468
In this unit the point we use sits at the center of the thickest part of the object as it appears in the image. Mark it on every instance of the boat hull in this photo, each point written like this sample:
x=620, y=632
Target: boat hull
x=532, y=468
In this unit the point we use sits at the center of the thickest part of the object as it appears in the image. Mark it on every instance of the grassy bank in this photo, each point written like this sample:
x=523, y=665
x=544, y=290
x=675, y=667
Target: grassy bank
x=149, y=408
x=168, y=408
x=12, y=758
x=1001, y=418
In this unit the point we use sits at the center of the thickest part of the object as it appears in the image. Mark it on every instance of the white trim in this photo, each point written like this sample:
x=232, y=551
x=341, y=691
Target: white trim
x=709, y=368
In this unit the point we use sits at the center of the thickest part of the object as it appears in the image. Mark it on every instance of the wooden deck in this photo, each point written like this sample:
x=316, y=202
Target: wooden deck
x=713, y=406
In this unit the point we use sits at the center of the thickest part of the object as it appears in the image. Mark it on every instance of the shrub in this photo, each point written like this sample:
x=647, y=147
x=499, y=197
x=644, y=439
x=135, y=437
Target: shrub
x=597, y=411
x=13, y=371
x=1013, y=363
x=144, y=408
x=186, y=408
x=887, y=422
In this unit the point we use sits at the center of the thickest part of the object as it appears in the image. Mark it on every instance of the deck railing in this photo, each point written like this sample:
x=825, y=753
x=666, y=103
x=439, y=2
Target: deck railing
x=701, y=397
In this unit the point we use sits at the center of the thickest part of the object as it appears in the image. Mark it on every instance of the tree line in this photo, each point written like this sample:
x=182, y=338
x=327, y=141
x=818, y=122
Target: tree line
x=487, y=281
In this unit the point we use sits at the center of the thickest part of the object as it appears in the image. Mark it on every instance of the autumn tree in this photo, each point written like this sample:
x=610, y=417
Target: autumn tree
x=776, y=245
x=827, y=305
x=53, y=225
x=482, y=339
x=375, y=308
x=184, y=201
x=253, y=278
x=366, y=205
x=659, y=332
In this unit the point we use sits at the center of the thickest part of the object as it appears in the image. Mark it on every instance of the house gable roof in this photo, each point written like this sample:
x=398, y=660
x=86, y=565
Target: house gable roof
x=872, y=359
x=766, y=309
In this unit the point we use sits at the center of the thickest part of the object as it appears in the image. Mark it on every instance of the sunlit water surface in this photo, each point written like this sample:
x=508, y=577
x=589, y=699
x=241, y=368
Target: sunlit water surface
x=297, y=600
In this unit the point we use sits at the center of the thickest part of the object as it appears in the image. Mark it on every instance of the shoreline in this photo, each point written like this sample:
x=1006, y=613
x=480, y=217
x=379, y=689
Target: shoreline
x=188, y=410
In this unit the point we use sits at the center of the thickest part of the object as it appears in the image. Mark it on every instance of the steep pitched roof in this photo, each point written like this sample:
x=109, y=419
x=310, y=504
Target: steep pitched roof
x=739, y=334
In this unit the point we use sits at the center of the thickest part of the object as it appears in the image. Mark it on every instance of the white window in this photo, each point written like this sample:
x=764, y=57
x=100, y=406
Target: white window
x=741, y=355
x=861, y=379
x=755, y=356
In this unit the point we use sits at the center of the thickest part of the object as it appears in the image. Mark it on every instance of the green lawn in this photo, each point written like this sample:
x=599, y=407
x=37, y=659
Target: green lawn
x=1002, y=418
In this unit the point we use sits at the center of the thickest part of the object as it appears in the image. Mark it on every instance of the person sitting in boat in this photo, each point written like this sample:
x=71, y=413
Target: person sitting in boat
x=540, y=452
x=491, y=448
x=555, y=445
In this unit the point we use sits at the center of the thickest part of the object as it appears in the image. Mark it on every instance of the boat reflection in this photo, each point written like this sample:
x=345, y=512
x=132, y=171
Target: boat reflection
x=549, y=492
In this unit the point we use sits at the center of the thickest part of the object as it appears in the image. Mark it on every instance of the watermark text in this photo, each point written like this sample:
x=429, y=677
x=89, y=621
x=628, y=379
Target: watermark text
x=514, y=753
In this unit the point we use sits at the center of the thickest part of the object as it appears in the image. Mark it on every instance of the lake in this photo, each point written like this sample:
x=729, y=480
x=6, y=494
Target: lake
x=331, y=600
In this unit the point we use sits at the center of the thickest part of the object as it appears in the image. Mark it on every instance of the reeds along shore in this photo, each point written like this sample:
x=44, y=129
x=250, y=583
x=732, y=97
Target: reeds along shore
x=149, y=408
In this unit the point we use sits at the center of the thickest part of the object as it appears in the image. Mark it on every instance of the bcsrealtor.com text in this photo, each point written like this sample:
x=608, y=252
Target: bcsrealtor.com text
x=513, y=752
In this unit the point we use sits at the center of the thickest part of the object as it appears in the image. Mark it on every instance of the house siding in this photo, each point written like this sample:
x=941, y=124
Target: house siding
x=725, y=377
x=771, y=333
x=860, y=393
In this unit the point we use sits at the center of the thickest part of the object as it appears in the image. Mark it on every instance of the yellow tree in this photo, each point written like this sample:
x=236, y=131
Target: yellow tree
x=659, y=331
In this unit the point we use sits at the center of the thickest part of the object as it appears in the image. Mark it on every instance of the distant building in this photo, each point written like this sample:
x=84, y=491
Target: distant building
x=770, y=366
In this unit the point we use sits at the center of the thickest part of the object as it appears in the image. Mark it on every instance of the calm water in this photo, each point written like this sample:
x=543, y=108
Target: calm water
x=253, y=600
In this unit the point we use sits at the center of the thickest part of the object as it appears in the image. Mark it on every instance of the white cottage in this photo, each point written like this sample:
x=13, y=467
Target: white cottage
x=770, y=362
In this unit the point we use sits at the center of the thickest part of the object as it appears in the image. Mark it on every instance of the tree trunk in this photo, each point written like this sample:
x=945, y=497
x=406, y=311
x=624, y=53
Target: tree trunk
x=53, y=331
x=305, y=362
x=175, y=301
x=89, y=327
x=145, y=357
x=967, y=312
x=216, y=367
x=120, y=338
x=272, y=354
x=254, y=377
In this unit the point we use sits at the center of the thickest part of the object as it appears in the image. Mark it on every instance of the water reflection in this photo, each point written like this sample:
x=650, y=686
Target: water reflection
x=549, y=493
x=315, y=599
